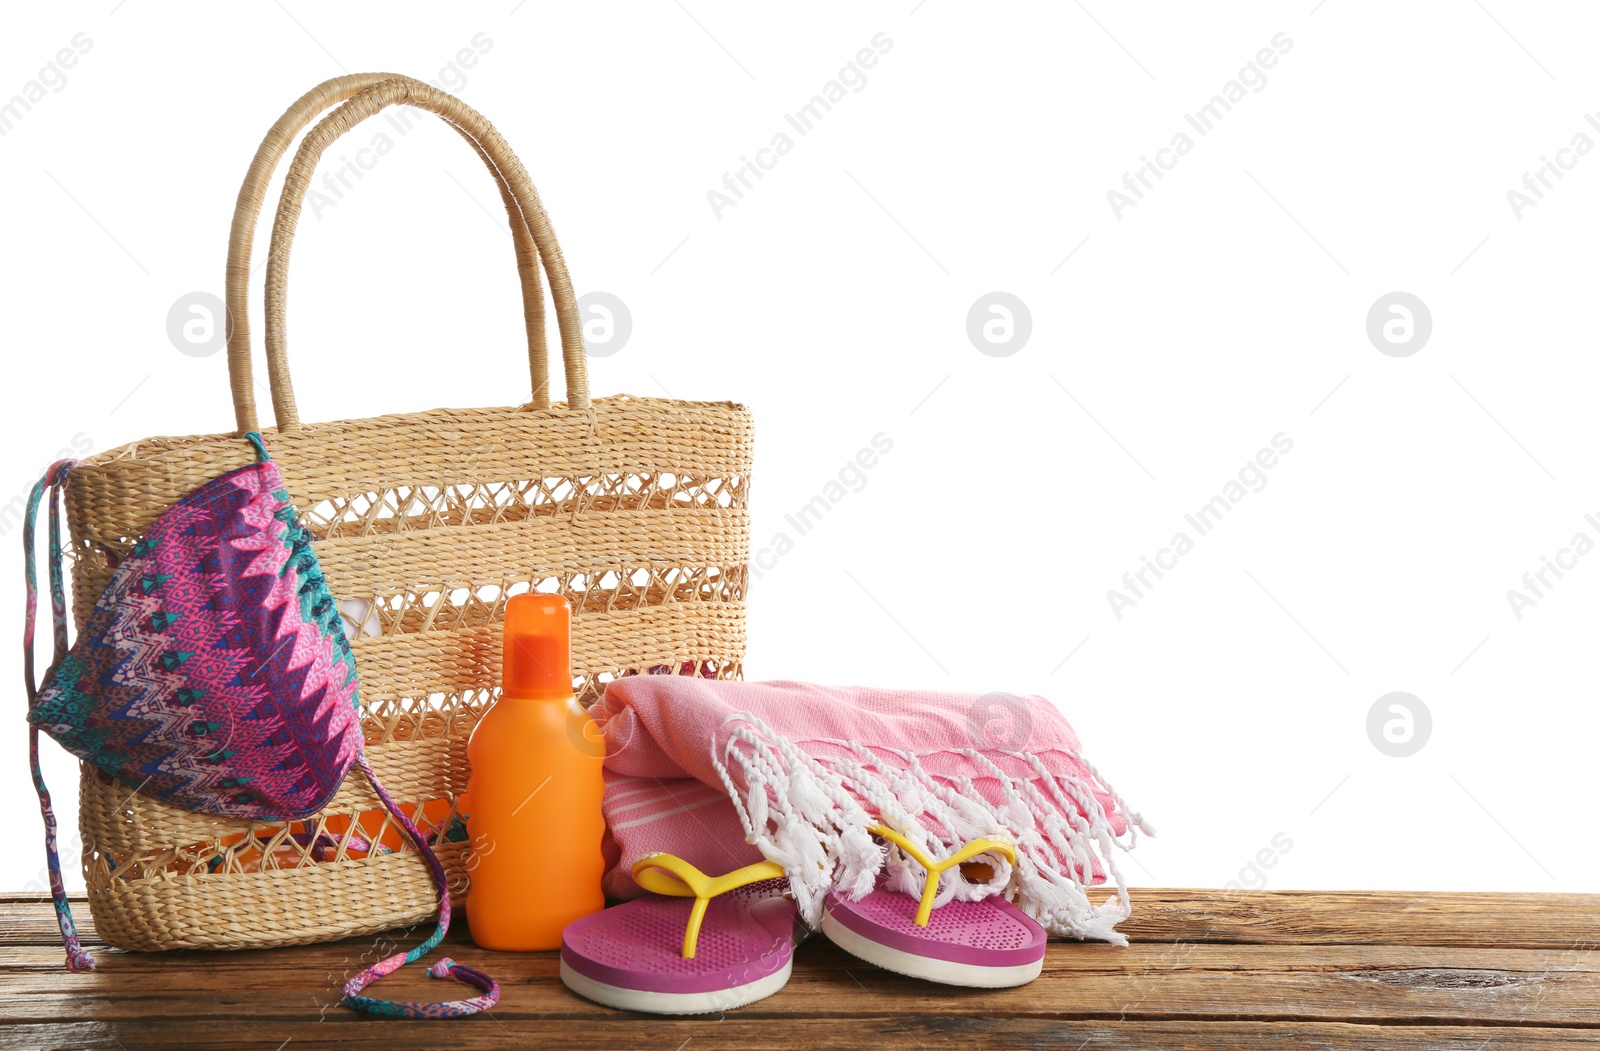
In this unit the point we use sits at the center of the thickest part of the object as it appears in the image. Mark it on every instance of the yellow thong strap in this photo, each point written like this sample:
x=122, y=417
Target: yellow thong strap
x=930, y=886
x=671, y=875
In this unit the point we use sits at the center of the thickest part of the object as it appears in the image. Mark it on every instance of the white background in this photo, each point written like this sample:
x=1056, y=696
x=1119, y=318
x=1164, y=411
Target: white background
x=1229, y=305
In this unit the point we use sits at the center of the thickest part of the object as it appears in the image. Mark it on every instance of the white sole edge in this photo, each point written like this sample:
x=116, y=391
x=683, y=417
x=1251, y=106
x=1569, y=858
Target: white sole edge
x=945, y=972
x=657, y=1003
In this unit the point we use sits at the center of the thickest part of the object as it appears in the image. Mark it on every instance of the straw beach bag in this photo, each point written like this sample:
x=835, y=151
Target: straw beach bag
x=424, y=524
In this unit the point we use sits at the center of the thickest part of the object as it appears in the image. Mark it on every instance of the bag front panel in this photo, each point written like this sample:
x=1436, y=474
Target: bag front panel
x=424, y=525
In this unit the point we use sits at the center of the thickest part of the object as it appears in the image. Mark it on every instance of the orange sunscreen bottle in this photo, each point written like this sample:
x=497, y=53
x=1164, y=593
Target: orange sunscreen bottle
x=534, y=820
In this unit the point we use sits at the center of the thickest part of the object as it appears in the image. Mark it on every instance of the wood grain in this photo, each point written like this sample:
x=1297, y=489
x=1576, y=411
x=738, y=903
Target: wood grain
x=1295, y=917
x=738, y=1033
x=1207, y=970
x=1328, y=983
x=1282, y=917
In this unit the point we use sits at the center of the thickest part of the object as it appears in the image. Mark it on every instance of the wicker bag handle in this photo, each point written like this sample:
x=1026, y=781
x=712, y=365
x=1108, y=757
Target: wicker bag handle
x=518, y=186
x=247, y=211
x=528, y=219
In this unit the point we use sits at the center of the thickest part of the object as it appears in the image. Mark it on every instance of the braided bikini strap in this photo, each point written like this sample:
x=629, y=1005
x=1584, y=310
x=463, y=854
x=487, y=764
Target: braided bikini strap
x=445, y=968
x=50, y=485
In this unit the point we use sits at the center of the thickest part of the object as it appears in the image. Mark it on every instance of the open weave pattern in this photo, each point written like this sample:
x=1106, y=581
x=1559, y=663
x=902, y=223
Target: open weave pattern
x=634, y=509
x=440, y=590
x=811, y=814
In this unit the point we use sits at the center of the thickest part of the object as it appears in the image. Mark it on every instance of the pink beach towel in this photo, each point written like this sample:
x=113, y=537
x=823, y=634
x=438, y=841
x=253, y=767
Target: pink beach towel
x=726, y=773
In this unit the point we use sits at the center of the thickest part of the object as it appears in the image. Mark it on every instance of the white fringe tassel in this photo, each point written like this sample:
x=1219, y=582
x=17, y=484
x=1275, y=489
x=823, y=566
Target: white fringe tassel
x=806, y=814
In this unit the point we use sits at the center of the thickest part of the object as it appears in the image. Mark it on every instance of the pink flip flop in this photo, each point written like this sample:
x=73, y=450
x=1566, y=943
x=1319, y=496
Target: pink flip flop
x=733, y=944
x=986, y=944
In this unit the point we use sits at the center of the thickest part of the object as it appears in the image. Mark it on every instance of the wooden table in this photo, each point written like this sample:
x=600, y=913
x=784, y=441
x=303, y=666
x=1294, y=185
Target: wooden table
x=1207, y=970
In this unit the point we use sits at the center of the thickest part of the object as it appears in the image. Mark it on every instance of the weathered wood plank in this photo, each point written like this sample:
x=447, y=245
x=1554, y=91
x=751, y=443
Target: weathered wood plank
x=1293, y=917
x=1526, y=921
x=1208, y=970
x=29, y=919
x=1143, y=982
x=736, y=1032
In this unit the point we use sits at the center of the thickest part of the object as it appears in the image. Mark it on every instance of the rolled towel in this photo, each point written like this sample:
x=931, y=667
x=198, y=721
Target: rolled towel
x=724, y=774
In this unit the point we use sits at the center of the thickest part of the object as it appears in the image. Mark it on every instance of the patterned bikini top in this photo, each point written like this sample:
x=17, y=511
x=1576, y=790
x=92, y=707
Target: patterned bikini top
x=213, y=673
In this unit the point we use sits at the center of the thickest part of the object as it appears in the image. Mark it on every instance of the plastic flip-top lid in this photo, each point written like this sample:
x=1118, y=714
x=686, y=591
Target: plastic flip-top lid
x=538, y=648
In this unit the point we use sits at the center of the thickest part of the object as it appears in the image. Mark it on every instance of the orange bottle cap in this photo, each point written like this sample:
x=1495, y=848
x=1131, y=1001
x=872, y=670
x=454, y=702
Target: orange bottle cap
x=537, y=660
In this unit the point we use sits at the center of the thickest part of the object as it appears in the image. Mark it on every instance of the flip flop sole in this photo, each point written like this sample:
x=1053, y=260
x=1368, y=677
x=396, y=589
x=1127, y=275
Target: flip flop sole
x=945, y=972
x=984, y=944
x=651, y=1002
x=630, y=956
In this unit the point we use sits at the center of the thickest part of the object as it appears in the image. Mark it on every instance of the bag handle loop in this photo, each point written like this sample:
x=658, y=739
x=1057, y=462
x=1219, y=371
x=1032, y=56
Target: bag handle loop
x=518, y=186
x=247, y=212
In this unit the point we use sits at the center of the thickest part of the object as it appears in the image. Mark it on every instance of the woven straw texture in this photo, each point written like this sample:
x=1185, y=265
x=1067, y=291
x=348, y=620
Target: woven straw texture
x=633, y=508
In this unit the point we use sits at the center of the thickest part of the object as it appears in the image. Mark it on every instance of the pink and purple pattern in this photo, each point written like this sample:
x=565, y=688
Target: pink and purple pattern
x=213, y=671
